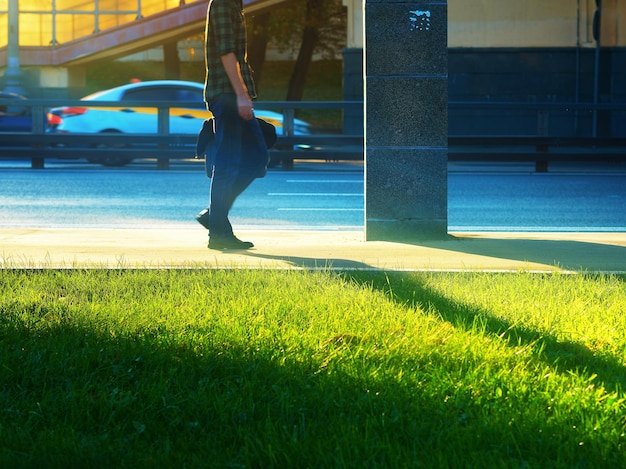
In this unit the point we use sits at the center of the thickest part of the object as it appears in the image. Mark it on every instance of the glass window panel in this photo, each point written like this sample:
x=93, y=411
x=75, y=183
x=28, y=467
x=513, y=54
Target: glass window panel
x=150, y=7
x=111, y=21
x=36, y=5
x=70, y=27
x=35, y=29
x=80, y=5
x=122, y=5
x=4, y=28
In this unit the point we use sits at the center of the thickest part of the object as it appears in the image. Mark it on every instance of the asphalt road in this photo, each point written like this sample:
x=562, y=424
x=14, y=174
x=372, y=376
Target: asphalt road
x=481, y=197
x=570, y=198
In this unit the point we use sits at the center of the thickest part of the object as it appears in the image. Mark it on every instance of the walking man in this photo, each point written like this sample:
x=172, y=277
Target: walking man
x=239, y=153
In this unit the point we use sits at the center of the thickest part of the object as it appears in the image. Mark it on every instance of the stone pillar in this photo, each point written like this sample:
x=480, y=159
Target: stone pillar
x=406, y=120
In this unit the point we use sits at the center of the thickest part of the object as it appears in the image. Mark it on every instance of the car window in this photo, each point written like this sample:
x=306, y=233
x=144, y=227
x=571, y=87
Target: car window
x=165, y=93
x=151, y=93
x=190, y=95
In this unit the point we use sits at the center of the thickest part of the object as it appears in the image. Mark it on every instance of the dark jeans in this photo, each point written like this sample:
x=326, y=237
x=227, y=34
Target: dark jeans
x=239, y=156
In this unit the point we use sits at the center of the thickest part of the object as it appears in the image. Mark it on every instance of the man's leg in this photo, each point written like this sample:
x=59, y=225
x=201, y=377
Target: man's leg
x=254, y=160
x=228, y=152
x=227, y=143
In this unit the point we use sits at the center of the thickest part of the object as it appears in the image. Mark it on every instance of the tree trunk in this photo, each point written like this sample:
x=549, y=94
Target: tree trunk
x=171, y=60
x=310, y=38
x=257, y=45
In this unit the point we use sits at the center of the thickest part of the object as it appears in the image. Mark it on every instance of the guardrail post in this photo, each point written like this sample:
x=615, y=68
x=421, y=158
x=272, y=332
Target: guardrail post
x=37, y=116
x=288, y=131
x=288, y=124
x=543, y=122
x=163, y=127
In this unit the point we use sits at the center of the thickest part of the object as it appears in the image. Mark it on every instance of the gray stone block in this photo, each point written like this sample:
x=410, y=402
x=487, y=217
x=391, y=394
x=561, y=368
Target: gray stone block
x=407, y=187
x=404, y=111
x=405, y=231
x=406, y=38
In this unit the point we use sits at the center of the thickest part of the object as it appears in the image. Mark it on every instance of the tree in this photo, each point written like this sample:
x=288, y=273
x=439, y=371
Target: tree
x=310, y=38
x=257, y=43
x=310, y=26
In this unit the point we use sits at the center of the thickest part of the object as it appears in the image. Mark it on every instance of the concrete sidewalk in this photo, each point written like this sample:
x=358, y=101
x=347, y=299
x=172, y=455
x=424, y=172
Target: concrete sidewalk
x=178, y=247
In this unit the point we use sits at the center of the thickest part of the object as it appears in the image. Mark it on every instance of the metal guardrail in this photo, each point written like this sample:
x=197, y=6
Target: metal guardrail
x=37, y=144
x=544, y=144
x=537, y=150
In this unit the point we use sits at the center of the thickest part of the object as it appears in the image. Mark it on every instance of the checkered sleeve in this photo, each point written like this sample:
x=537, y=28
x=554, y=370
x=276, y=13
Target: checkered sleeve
x=225, y=33
x=221, y=21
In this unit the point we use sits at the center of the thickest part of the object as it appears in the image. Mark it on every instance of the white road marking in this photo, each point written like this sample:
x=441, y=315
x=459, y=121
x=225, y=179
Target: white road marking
x=327, y=181
x=315, y=194
x=299, y=209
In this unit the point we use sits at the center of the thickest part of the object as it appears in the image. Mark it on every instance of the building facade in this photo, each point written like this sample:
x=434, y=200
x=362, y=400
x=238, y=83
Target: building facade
x=561, y=51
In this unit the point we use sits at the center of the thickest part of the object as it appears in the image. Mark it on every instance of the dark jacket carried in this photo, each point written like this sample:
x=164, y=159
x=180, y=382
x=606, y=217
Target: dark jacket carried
x=207, y=135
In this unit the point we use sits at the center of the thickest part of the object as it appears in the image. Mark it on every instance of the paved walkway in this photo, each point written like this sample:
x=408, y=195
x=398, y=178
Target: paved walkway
x=175, y=247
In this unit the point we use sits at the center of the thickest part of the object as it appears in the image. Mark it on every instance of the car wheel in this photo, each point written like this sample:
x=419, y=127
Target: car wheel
x=111, y=160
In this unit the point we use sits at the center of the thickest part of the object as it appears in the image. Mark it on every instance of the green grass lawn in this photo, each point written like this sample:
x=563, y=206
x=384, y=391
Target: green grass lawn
x=260, y=368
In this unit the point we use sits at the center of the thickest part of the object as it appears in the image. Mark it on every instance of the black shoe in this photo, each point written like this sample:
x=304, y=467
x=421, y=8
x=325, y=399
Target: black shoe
x=229, y=243
x=203, y=218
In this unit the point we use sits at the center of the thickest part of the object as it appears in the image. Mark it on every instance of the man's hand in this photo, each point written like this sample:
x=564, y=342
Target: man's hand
x=233, y=71
x=244, y=104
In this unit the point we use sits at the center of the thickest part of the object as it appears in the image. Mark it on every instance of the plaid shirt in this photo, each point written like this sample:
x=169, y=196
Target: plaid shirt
x=225, y=32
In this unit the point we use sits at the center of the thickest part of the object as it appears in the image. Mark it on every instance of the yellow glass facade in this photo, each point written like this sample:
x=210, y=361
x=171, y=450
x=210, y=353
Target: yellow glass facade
x=533, y=23
x=4, y=23
x=46, y=22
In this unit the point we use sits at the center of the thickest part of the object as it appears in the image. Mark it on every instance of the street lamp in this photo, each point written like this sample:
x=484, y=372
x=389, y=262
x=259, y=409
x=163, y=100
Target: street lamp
x=13, y=74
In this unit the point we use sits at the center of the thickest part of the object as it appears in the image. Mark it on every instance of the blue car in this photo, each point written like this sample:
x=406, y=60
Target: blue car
x=122, y=118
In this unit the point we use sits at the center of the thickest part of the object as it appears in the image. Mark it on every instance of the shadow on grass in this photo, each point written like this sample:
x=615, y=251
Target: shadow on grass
x=564, y=356
x=75, y=395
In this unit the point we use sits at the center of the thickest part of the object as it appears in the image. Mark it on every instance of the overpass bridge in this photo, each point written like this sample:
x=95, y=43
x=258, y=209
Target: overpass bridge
x=49, y=50
x=132, y=32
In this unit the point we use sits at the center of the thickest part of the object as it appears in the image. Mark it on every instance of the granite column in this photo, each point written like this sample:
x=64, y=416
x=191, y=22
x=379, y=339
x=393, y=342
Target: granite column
x=406, y=120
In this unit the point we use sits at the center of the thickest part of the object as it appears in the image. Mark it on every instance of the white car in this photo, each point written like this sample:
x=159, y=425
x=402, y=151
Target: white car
x=143, y=120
